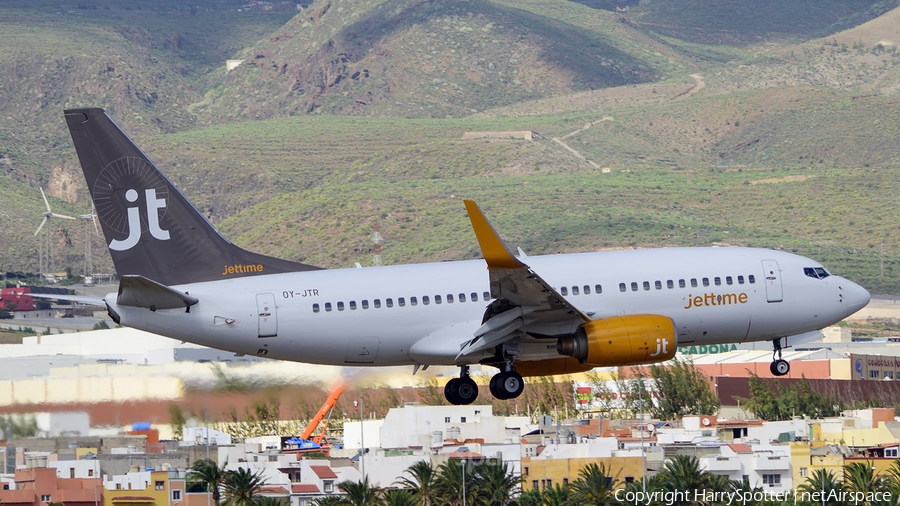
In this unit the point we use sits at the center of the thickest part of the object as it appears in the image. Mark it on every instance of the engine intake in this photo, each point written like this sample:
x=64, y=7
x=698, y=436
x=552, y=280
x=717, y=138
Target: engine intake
x=622, y=340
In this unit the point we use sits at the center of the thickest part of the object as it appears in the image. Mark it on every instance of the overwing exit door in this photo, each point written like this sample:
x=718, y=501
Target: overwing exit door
x=773, y=281
x=268, y=320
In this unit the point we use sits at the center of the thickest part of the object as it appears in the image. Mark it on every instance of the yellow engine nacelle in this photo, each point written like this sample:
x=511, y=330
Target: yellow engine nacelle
x=622, y=340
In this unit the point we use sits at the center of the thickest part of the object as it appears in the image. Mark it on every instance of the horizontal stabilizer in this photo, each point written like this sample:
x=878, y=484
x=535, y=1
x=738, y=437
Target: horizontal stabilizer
x=138, y=291
x=81, y=299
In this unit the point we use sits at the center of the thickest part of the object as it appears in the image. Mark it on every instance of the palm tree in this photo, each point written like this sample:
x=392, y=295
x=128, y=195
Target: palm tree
x=594, y=486
x=421, y=481
x=531, y=498
x=454, y=477
x=360, y=493
x=207, y=474
x=328, y=500
x=682, y=473
x=557, y=495
x=271, y=501
x=822, y=481
x=860, y=477
x=498, y=482
x=400, y=497
x=242, y=486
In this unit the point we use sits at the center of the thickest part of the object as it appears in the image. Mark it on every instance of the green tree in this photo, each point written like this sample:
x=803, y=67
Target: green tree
x=360, y=493
x=821, y=480
x=421, y=481
x=681, y=473
x=455, y=477
x=531, y=498
x=206, y=474
x=770, y=400
x=557, y=495
x=241, y=487
x=400, y=498
x=498, y=482
x=328, y=500
x=271, y=501
x=684, y=391
x=594, y=486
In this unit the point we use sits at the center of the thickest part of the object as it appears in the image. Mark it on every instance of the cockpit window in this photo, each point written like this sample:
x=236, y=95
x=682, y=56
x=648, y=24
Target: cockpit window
x=816, y=272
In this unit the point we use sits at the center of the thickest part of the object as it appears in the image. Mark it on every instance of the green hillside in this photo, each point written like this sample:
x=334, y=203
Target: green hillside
x=145, y=62
x=432, y=59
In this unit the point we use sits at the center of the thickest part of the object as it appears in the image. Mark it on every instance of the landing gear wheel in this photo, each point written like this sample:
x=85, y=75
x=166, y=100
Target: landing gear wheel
x=461, y=391
x=507, y=385
x=780, y=367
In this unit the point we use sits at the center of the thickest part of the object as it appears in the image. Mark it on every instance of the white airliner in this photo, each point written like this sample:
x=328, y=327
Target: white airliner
x=535, y=315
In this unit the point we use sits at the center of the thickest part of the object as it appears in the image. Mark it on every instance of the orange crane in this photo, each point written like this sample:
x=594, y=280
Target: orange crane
x=304, y=442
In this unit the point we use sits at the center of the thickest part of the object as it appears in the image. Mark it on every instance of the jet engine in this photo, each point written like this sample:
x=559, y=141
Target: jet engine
x=622, y=340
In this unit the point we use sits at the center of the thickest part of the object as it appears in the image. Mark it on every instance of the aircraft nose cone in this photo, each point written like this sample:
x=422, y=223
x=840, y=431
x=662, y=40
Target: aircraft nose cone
x=855, y=296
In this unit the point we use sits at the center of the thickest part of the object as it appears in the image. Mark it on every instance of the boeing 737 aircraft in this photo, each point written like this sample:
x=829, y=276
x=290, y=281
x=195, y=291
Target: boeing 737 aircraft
x=526, y=315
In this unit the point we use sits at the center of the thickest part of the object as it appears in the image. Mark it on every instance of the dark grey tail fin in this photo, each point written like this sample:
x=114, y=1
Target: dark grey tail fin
x=151, y=229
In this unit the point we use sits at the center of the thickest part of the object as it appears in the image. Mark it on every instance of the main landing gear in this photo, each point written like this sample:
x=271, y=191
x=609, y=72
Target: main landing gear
x=779, y=366
x=507, y=384
x=462, y=390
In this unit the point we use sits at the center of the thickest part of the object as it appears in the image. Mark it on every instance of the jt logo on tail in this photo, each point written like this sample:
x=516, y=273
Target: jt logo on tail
x=154, y=204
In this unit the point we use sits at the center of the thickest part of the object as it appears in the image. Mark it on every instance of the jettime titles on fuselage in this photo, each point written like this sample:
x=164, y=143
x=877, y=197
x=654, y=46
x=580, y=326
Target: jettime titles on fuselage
x=714, y=299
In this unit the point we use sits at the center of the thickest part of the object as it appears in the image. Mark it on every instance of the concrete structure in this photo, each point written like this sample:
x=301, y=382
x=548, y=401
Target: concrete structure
x=524, y=135
x=41, y=485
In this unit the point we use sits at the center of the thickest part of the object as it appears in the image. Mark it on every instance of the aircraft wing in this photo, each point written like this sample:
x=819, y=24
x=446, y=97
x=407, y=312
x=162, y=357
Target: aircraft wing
x=522, y=297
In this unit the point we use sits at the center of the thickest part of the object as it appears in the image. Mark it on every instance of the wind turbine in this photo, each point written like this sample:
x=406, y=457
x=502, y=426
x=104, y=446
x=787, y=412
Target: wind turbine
x=47, y=215
x=88, y=239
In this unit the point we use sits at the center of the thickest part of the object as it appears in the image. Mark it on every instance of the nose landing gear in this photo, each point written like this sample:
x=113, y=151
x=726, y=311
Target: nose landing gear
x=779, y=366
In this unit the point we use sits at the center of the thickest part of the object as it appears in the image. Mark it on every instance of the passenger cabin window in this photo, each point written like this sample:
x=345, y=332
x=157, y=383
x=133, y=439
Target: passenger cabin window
x=670, y=284
x=693, y=282
x=728, y=280
x=586, y=289
x=574, y=290
x=718, y=281
x=462, y=297
x=340, y=306
x=705, y=281
x=815, y=272
x=598, y=289
x=401, y=301
x=740, y=280
x=646, y=285
x=486, y=296
x=437, y=299
x=634, y=286
x=474, y=297
x=449, y=298
x=658, y=284
x=564, y=291
x=412, y=301
x=365, y=304
x=681, y=283
x=621, y=287
x=389, y=302
x=751, y=279
x=376, y=303
x=315, y=308
x=352, y=305
x=425, y=300
x=327, y=306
